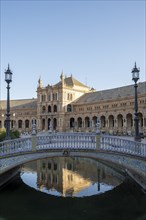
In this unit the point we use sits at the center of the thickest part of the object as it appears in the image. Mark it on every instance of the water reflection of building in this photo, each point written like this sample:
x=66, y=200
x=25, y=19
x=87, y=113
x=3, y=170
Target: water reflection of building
x=69, y=176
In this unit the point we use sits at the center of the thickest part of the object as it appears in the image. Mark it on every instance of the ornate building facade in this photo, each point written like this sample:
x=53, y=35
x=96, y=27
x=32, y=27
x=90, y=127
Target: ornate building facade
x=71, y=106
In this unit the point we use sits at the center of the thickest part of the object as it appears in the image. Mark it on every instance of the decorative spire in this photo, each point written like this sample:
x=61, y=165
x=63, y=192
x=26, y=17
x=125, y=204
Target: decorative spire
x=40, y=83
x=62, y=76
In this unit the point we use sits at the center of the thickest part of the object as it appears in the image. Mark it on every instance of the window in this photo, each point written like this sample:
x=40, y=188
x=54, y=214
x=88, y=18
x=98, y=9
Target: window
x=27, y=124
x=43, y=98
x=54, y=96
x=43, y=109
x=49, y=108
x=89, y=108
x=69, y=96
x=55, y=108
x=69, y=108
x=20, y=124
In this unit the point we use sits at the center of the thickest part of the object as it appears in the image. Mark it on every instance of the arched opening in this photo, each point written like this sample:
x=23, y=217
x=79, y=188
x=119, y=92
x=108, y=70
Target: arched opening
x=72, y=122
x=69, y=108
x=13, y=122
x=0, y=124
x=43, y=124
x=111, y=121
x=79, y=122
x=54, y=123
x=103, y=121
x=33, y=121
x=19, y=124
x=49, y=124
x=43, y=109
x=129, y=121
x=49, y=108
x=120, y=121
x=87, y=122
x=94, y=120
x=55, y=108
x=27, y=123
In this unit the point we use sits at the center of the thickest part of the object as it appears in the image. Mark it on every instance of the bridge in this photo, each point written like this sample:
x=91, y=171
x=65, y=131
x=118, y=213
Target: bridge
x=126, y=155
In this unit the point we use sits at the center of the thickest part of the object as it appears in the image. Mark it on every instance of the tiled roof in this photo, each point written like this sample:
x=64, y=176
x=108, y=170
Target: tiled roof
x=120, y=92
x=70, y=81
x=20, y=104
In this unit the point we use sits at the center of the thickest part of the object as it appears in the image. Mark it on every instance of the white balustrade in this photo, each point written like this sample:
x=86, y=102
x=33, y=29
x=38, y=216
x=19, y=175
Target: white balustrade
x=67, y=141
x=76, y=141
x=15, y=146
x=122, y=145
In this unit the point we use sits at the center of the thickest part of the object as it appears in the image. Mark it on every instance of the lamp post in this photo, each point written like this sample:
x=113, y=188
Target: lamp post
x=8, y=79
x=135, y=78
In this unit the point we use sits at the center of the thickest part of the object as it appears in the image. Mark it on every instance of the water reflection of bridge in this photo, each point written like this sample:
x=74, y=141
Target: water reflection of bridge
x=129, y=156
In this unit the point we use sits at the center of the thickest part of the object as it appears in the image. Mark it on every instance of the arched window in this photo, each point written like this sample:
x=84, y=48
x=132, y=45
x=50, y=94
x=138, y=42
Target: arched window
x=94, y=119
x=26, y=123
x=43, y=98
x=13, y=123
x=69, y=109
x=54, y=123
x=129, y=120
x=33, y=121
x=111, y=121
x=87, y=122
x=70, y=96
x=19, y=124
x=79, y=122
x=43, y=124
x=49, y=108
x=72, y=122
x=49, y=124
x=43, y=109
x=120, y=121
x=103, y=121
x=55, y=108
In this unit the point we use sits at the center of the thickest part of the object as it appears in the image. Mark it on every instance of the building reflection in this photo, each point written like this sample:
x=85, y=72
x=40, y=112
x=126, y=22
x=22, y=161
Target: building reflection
x=69, y=176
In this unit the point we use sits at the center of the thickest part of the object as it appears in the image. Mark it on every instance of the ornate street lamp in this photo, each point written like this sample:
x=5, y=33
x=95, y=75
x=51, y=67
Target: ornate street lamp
x=135, y=78
x=8, y=79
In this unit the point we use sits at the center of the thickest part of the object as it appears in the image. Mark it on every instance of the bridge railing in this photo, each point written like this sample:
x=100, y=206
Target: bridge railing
x=111, y=143
x=67, y=141
x=73, y=141
x=15, y=146
x=56, y=141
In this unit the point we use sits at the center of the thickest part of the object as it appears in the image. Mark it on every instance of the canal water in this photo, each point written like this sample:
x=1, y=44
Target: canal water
x=69, y=188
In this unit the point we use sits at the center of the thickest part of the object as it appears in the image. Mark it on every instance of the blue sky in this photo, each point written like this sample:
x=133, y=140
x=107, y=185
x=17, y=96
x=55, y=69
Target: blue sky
x=95, y=41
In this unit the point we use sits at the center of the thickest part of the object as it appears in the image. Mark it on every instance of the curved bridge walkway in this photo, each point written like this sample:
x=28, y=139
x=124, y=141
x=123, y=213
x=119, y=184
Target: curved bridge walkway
x=130, y=156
